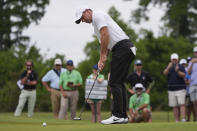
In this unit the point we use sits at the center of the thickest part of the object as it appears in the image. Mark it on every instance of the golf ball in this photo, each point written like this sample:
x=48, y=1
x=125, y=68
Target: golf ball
x=44, y=124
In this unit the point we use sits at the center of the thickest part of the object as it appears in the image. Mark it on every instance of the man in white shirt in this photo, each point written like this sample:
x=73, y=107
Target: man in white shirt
x=53, y=77
x=111, y=37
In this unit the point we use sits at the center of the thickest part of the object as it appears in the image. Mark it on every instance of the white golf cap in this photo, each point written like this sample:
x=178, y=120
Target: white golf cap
x=183, y=61
x=174, y=56
x=58, y=62
x=79, y=12
x=138, y=85
x=195, y=49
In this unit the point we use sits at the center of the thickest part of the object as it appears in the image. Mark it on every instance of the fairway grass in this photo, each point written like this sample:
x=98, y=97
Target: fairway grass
x=160, y=123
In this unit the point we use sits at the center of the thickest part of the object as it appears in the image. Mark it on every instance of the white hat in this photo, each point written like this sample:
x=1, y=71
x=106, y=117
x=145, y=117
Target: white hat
x=58, y=62
x=79, y=12
x=174, y=56
x=138, y=85
x=183, y=61
x=195, y=49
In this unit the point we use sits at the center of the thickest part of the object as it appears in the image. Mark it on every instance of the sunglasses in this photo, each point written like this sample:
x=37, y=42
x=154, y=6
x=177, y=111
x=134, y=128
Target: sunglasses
x=28, y=65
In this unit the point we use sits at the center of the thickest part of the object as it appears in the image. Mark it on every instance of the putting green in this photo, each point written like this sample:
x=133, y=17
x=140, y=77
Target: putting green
x=160, y=123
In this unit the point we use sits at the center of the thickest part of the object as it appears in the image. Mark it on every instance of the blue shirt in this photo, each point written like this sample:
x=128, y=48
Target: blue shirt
x=175, y=82
x=53, y=78
x=193, y=80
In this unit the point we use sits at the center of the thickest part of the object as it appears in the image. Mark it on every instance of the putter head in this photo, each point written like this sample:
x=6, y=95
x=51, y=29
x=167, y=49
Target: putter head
x=77, y=118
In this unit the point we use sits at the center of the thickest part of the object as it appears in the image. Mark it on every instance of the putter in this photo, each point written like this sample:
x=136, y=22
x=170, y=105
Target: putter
x=79, y=118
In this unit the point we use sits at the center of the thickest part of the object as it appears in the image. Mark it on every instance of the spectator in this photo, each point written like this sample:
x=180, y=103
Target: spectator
x=140, y=76
x=29, y=79
x=139, y=105
x=70, y=80
x=188, y=103
x=97, y=102
x=192, y=70
x=53, y=76
x=176, y=87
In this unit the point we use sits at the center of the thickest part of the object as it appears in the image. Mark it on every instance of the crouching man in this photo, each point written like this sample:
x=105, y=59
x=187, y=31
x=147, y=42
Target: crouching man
x=139, y=105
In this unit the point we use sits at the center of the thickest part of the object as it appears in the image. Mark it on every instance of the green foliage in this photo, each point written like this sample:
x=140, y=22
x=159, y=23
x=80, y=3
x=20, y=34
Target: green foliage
x=15, y=16
x=180, y=16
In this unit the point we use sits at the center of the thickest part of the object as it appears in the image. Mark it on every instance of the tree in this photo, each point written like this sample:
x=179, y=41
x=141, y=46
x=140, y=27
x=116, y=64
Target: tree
x=15, y=16
x=180, y=16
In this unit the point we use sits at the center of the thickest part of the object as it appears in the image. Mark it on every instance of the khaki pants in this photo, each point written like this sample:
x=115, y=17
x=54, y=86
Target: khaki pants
x=70, y=101
x=24, y=96
x=55, y=101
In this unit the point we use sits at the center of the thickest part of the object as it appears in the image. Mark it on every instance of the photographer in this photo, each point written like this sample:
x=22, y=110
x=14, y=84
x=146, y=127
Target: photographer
x=192, y=70
x=70, y=80
x=176, y=87
x=29, y=80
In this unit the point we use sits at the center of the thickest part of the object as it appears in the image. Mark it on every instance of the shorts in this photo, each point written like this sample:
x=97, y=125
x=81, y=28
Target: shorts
x=188, y=101
x=193, y=94
x=176, y=98
x=91, y=101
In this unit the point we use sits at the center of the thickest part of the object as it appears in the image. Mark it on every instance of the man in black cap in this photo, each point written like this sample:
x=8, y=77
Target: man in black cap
x=140, y=76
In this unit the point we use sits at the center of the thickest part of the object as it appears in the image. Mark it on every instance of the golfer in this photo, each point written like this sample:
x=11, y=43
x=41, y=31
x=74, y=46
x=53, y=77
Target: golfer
x=111, y=37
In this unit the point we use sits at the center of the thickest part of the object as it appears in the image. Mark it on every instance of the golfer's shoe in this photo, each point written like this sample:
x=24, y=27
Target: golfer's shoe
x=113, y=120
x=126, y=120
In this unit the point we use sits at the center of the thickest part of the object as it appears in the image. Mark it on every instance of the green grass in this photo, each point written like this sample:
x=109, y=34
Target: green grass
x=160, y=123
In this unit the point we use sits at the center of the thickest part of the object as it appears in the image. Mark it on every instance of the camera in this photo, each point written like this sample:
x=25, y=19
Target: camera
x=69, y=83
x=174, y=65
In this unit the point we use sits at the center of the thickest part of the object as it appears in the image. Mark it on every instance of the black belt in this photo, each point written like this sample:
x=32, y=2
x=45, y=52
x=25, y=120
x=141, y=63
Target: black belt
x=29, y=89
x=125, y=43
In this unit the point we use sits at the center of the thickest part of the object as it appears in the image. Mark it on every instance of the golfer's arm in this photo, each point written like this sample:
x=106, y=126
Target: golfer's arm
x=104, y=43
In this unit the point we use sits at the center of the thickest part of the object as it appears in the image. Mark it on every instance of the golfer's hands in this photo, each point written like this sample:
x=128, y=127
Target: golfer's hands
x=101, y=62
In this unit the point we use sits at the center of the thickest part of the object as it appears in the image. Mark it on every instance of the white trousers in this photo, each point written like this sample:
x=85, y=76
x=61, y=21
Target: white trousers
x=29, y=96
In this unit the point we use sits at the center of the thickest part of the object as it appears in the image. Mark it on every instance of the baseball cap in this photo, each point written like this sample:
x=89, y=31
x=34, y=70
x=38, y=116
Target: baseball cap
x=174, y=56
x=138, y=85
x=70, y=62
x=58, y=62
x=195, y=49
x=183, y=61
x=138, y=62
x=95, y=67
x=79, y=12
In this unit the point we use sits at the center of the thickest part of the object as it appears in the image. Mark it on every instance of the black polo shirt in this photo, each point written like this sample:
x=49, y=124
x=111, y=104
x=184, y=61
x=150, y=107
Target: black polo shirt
x=32, y=76
x=144, y=79
x=175, y=82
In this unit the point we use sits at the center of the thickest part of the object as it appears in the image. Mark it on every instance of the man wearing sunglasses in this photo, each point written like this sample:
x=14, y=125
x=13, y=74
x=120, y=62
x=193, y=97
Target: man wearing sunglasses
x=29, y=79
x=140, y=76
